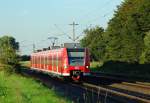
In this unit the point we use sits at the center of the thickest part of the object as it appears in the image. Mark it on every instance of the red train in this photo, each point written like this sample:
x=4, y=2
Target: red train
x=71, y=63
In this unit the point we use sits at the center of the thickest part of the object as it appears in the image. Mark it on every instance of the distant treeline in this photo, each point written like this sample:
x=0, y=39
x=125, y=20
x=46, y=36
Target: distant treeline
x=25, y=57
x=127, y=37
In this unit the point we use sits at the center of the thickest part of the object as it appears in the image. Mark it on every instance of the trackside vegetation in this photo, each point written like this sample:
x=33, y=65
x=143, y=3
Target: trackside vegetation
x=18, y=89
x=15, y=88
x=9, y=58
x=125, y=43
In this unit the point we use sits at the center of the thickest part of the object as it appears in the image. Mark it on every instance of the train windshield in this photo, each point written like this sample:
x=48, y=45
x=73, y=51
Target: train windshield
x=76, y=57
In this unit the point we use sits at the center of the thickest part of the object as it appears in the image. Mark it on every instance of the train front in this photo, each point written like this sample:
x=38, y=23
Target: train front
x=78, y=63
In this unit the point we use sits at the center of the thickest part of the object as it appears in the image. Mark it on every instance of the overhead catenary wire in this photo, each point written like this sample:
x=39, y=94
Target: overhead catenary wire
x=90, y=22
x=58, y=28
x=97, y=18
x=63, y=33
x=82, y=18
x=32, y=47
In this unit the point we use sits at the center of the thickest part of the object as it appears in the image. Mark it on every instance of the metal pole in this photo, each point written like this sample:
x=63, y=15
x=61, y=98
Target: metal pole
x=33, y=48
x=73, y=24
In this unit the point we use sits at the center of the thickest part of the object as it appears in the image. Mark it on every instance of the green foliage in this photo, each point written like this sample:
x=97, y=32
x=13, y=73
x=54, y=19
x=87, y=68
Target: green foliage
x=8, y=41
x=126, y=31
x=129, y=69
x=8, y=55
x=95, y=66
x=127, y=37
x=145, y=57
x=147, y=40
x=94, y=41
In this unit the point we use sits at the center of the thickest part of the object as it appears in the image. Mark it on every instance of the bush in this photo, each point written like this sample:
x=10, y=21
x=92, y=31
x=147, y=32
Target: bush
x=8, y=54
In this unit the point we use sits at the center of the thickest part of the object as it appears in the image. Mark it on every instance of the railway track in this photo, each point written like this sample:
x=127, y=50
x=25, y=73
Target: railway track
x=132, y=87
x=129, y=87
x=117, y=95
x=111, y=94
x=125, y=98
x=124, y=81
x=144, y=83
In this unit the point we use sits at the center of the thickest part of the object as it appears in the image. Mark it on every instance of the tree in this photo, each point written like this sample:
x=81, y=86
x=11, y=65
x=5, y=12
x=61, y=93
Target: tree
x=145, y=57
x=94, y=41
x=8, y=55
x=126, y=31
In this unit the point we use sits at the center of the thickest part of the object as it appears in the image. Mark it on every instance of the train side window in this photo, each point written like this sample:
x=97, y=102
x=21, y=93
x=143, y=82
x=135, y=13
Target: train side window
x=45, y=60
x=31, y=59
x=50, y=59
x=59, y=59
x=42, y=59
x=54, y=60
x=39, y=59
x=35, y=59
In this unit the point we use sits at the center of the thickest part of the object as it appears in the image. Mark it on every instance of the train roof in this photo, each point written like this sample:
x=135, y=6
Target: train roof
x=57, y=49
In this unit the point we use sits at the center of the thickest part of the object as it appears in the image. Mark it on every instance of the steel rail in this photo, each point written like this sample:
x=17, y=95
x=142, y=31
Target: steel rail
x=116, y=93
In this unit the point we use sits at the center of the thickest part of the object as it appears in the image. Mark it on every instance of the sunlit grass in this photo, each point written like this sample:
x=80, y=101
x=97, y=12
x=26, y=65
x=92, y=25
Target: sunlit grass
x=17, y=89
x=95, y=66
x=25, y=63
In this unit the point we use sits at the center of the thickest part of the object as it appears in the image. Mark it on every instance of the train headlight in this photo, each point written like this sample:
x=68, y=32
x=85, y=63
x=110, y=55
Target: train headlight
x=87, y=66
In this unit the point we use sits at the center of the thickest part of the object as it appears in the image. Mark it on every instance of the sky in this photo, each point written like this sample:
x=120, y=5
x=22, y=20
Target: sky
x=34, y=21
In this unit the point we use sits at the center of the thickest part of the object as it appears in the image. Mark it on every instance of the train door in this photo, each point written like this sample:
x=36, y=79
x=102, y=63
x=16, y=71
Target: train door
x=32, y=59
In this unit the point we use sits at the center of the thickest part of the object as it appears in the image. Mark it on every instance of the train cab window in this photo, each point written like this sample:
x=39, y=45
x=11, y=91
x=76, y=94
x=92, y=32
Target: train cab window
x=76, y=57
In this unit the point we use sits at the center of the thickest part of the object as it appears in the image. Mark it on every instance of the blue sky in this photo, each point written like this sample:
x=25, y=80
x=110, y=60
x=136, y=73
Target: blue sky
x=33, y=21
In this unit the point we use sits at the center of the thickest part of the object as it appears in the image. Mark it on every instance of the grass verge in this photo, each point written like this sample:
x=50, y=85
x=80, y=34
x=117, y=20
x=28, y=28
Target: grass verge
x=25, y=64
x=17, y=89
